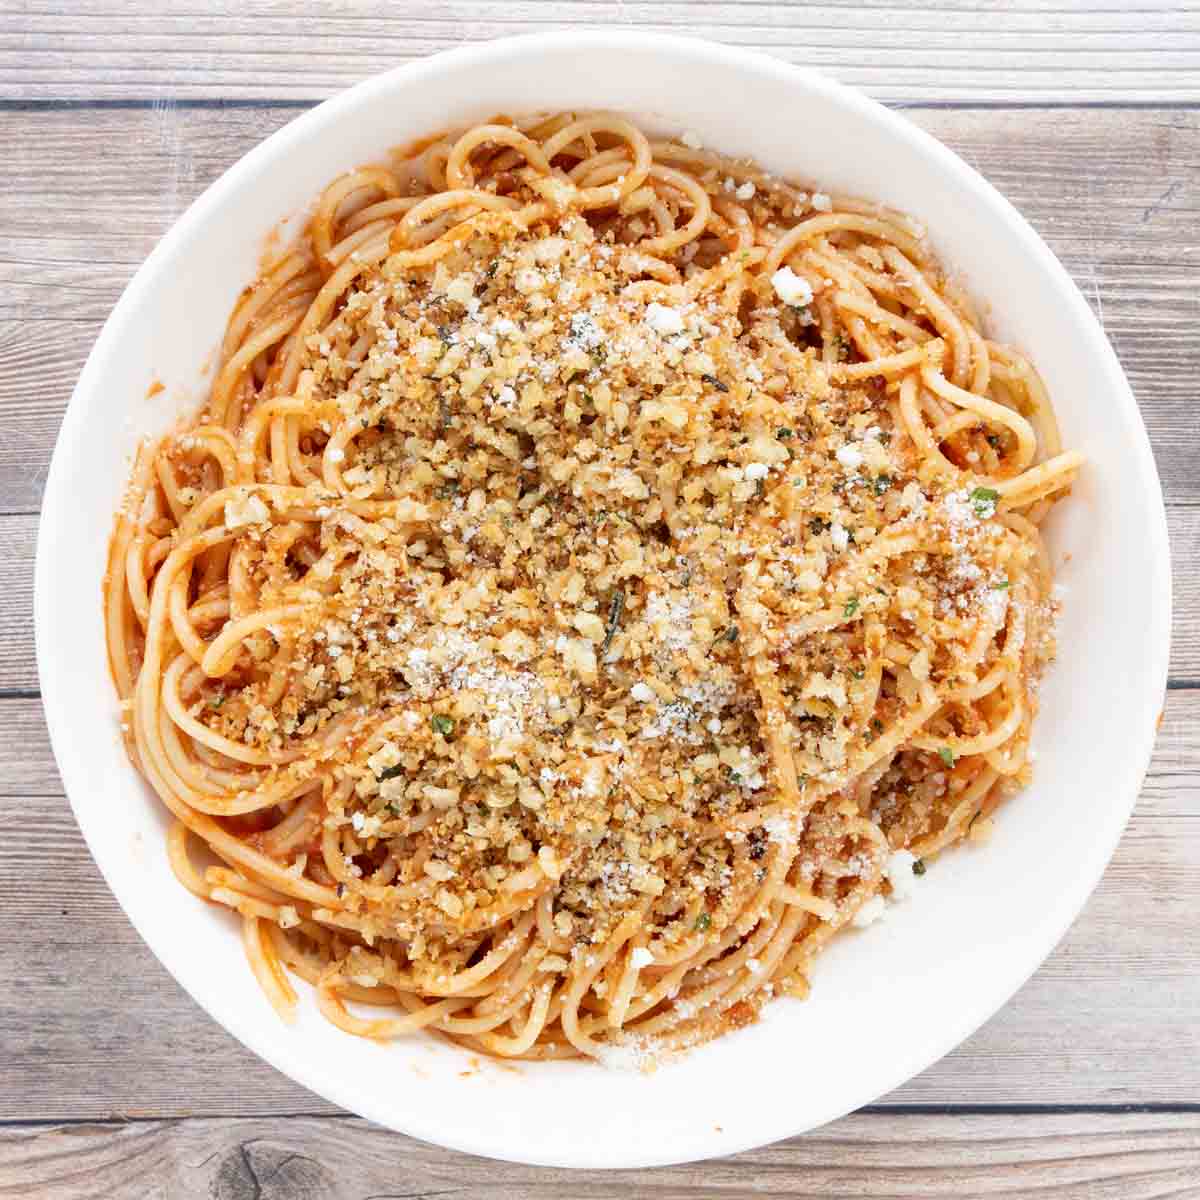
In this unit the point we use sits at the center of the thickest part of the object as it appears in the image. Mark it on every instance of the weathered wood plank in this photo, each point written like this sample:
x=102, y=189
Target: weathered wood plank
x=18, y=665
x=1075, y=1156
x=928, y=50
x=1115, y=193
x=91, y=1026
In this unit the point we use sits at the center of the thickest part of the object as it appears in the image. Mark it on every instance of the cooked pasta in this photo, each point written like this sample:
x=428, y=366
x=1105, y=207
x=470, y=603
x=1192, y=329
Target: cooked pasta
x=601, y=572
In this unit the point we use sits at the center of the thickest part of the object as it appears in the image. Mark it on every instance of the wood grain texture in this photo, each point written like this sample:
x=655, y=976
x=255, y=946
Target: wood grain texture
x=1079, y=1156
x=91, y=1026
x=1115, y=193
x=18, y=667
x=934, y=50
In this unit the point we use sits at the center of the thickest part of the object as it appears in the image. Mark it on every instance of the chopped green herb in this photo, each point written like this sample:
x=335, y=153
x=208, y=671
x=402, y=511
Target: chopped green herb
x=946, y=755
x=984, y=499
x=616, y=606
x=876, y=724
x=216, y=701
x=598, y=354
x=995, y=441
x=785, y=435
x=859, y=673
x=442, y=724
x=1001, y=584
x=703, y=921
x=919, y=867
x=726, y=635
x=398, y=769
x=714, y=382
x=448, y=490
x=851, y=607
x=817, y=526
x=881, y=484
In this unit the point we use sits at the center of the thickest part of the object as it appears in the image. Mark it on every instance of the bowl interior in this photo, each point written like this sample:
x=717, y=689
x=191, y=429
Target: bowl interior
x=886, y=1001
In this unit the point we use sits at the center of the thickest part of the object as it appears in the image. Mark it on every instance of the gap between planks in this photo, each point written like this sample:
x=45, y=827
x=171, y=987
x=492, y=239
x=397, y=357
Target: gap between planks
x=894, y=49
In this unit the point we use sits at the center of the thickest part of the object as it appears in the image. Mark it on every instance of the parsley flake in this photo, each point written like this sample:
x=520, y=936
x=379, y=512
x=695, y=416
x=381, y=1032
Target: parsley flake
x=984, y=499
x=946, y=755
x=442, y=724
x=616, y=606
x=726, y=635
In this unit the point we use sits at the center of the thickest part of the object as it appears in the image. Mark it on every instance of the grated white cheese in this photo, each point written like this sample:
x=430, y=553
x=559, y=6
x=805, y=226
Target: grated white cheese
x=899, y=871
x=663, y=320
x=850, y=457
x=248, y=511
x=790, y=288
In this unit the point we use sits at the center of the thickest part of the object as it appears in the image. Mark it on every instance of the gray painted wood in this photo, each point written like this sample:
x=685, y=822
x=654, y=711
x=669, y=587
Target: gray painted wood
x=1080, y=1156
x=92, y=1028
x=934, y=50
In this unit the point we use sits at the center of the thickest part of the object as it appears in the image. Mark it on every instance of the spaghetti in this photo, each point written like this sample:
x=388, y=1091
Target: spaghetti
x=601, y=572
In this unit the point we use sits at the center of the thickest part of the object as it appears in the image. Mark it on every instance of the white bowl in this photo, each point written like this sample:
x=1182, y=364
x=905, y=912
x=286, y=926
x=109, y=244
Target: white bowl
x=886, y=1002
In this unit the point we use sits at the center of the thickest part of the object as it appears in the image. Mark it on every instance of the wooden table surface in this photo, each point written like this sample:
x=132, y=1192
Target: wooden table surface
x=114, y=115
